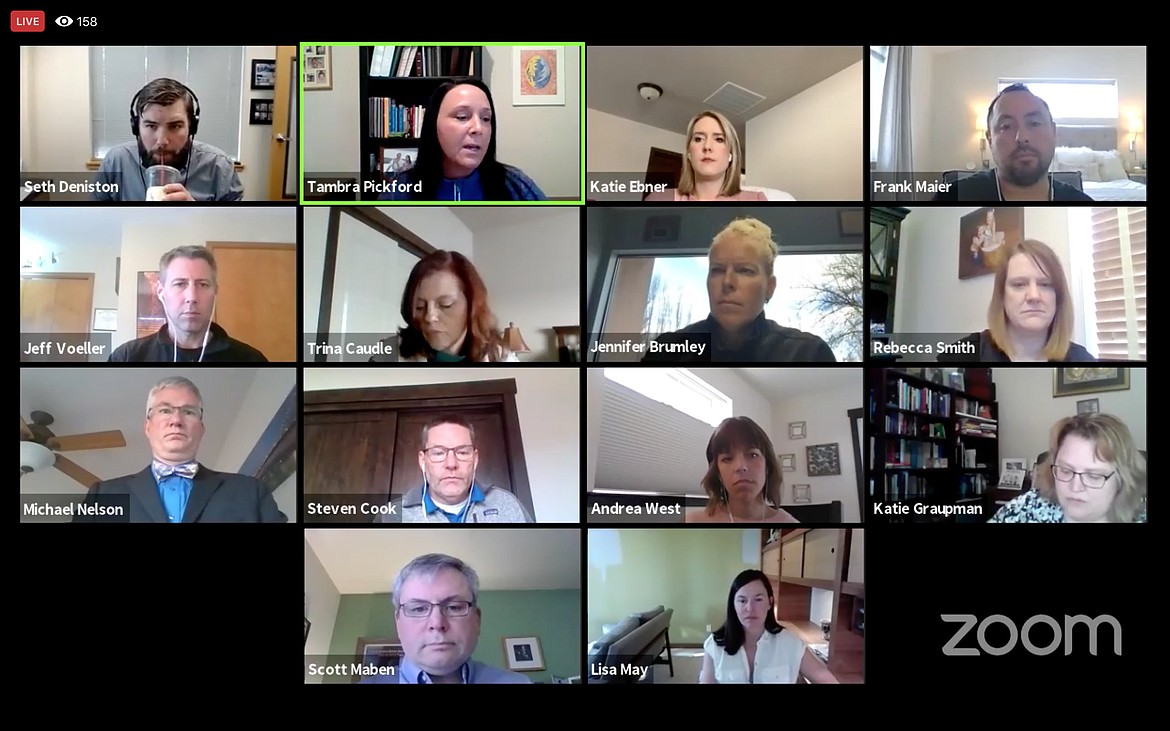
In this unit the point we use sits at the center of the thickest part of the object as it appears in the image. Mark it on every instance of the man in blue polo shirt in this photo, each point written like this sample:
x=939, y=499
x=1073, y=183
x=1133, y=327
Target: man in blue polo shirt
x=449, y=493
x=437, y=618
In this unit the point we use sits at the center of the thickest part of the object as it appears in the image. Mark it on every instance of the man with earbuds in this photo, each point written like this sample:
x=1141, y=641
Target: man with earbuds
x=164, y=118
x=449, y=493
x=187, y=288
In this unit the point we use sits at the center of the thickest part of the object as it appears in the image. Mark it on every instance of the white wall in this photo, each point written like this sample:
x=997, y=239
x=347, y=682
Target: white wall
x=811, y=145
x=314, y=229
x=97, y=254
x=543, y=141
x=963, y=82
x=145, y=240
x=544, y=241
x=55, y=133
x=1027, y=408
x=269, y=389
x=826, y=422
x=321, y=602
x=618, y=145
x=548, y=404
x=931, y=298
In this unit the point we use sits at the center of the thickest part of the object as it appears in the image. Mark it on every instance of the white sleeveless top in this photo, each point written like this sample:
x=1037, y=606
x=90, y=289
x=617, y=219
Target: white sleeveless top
x=778, y=659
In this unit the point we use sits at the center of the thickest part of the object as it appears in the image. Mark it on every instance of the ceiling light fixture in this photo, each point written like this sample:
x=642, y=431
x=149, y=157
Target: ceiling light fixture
x=35, y=457
x=649, y=92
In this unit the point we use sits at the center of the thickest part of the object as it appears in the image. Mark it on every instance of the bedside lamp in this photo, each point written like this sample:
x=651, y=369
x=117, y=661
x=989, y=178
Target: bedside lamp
x=1135, y=129
x=514, y=341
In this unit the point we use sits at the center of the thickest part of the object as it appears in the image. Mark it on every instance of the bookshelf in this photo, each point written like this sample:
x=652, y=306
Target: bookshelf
x=396, y=82
x=934, y=453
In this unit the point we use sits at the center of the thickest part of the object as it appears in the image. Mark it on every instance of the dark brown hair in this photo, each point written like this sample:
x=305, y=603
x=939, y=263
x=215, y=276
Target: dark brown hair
x=484, y=341
x=740, y=432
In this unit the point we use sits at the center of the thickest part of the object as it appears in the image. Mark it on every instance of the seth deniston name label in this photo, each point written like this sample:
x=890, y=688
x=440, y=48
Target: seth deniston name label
x=64, y=186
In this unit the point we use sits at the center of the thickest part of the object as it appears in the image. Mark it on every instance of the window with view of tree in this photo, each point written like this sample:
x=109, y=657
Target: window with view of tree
x=815, y=293
x=214, y=73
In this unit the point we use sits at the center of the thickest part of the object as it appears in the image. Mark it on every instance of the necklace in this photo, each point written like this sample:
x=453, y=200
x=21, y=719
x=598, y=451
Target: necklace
x=763, y=512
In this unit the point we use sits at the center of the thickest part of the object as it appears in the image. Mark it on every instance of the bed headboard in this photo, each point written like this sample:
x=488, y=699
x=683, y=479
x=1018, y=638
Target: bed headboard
x=1095, y=137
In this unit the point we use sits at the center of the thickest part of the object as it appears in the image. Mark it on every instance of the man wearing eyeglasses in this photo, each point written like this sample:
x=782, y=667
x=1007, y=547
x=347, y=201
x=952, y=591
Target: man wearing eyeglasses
x=437, y=617
x=449, y=493
x=175, y=488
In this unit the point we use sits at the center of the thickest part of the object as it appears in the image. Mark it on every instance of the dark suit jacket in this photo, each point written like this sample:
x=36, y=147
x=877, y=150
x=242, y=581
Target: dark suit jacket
x=216, y=497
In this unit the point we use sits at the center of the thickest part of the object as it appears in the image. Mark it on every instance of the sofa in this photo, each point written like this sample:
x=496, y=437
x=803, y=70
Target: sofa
x=641, y=638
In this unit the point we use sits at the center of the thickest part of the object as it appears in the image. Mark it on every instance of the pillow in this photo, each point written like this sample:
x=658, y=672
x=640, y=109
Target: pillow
x=1111, y=166
x=1090, y=172
x=1075, y=155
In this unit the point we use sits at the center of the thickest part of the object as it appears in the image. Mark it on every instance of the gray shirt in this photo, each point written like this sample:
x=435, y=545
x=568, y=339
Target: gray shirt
x=488, y=505
x=210, y=174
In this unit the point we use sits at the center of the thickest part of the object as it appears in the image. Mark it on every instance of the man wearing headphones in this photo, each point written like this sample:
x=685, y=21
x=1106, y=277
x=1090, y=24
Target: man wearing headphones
x=187, y=288
x=164, y=118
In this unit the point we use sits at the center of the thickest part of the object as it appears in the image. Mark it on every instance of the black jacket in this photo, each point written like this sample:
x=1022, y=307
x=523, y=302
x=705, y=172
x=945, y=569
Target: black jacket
x=159, y=348
x=767, y=342
x=981, y=188
x=216, y=497
x=986, y=351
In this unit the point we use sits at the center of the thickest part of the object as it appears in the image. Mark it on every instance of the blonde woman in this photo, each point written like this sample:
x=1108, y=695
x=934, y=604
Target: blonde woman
x=711, y=164
x=740, y=281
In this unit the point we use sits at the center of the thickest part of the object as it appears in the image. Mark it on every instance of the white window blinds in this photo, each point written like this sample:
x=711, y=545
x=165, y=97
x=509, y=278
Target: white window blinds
x=1119, y=282
x=214, y=73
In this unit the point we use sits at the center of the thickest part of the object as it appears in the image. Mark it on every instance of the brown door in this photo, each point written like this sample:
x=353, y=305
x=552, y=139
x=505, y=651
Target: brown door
x=257, y=300
x=347, y=459
x=663, y=168
x=282, y=150
x=57, y=303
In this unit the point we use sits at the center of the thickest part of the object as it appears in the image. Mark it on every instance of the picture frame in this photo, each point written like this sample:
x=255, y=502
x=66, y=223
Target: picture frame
x=105, y=319
x=787, y=462
x=149, y=316
x=801, y=494
x=260, y=111
x=317, y=68
x=273, y=458
x=985, y=237
x=396, y=160
x=1088, y=406
x=538, y=76
x=796, y=430
x=1077, y=381
x=263, y=74
x=823, y=460
x=523, y=654
x=377, y=652
x=1013, y=463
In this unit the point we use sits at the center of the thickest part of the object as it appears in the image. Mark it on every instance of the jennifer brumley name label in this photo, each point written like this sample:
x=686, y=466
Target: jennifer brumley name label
x=349, y=669
x=630, y=346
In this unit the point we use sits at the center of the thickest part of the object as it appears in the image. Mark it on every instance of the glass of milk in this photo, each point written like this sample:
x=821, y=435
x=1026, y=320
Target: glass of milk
x=157, y=177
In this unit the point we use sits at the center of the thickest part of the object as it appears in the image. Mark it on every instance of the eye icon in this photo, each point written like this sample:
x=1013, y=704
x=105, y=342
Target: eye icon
x=64, y=21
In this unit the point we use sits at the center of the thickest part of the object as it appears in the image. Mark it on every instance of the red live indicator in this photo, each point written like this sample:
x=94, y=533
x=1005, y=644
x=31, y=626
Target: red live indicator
x=28, y=21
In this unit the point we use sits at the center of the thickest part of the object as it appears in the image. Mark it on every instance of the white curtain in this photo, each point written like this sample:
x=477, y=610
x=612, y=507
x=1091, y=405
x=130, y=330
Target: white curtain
x=894, y=141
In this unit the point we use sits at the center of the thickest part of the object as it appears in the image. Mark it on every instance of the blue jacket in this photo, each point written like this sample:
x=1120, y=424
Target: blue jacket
x=520, y=187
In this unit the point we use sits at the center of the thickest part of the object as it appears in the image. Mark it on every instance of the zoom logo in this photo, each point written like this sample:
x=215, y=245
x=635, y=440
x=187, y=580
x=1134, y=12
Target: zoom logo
x=64, y=21
x=1022, y=635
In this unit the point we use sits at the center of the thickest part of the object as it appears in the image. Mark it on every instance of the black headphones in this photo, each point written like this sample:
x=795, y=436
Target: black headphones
x=192, y=117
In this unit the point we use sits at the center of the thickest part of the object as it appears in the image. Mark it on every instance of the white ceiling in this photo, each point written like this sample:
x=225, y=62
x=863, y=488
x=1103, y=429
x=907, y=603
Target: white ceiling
x=689, y=75
x=100, y=399
x=646, y=446
x=509, y=559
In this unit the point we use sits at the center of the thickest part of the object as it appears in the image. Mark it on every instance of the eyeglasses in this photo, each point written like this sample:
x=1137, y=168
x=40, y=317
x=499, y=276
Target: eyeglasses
x=422, y=610
x=187, y=412
x=439, y=454
x=1091, y=480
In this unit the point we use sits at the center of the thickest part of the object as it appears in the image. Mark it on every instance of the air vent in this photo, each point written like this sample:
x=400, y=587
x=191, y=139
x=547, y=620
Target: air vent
x=661, y=229
x=733, y=99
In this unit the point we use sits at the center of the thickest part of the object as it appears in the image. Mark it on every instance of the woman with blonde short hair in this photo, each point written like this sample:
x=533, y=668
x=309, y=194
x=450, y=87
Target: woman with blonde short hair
x=711, y=165
x=1093, y=473
x=740, y=281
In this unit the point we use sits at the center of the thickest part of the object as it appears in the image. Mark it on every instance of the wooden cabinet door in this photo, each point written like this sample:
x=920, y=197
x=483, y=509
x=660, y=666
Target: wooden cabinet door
x=349, y=454
x=792, y=557
x=820, y=554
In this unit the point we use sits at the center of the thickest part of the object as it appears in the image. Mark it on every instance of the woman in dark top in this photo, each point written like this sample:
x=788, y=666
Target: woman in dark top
x=457, y=153
x=1030, y=318
x=739, y=283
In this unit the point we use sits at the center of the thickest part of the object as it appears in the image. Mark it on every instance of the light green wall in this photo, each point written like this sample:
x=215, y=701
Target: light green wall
x=689, y=570
x=554, y=617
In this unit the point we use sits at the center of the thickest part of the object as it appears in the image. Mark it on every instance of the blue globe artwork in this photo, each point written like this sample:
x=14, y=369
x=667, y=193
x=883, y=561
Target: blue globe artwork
x=538, y=72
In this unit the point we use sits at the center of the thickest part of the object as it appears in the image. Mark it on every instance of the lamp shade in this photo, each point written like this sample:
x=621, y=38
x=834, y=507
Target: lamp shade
x=36, y=457
x=514, y=341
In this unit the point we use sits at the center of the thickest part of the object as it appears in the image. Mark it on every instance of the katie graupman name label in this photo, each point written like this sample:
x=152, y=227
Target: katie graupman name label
x=71, y=510
x=891, y=509
x=353, y=669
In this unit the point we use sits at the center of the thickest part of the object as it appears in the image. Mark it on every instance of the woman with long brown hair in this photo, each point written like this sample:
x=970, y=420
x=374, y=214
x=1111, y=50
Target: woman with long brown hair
x=743, y=477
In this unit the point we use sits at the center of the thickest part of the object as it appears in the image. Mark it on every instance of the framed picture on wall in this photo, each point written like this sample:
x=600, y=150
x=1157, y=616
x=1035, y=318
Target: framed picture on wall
x=523, y=653
x=1076, y=381
x=985, y=236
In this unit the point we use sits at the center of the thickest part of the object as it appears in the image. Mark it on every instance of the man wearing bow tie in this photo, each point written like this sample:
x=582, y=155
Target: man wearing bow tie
x=175, y=488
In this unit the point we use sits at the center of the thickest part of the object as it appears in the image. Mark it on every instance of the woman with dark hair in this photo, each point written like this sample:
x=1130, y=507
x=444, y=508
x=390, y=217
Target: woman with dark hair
x=457, y=152
x=743, y=477
x=751, y=646
x=445, y=304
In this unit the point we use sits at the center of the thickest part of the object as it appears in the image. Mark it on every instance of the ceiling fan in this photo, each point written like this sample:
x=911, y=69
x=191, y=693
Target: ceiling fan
x=39, y=447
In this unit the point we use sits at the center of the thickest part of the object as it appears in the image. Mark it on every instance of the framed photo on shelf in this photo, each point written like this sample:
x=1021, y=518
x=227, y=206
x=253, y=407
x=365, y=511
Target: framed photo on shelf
x=397, y=160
